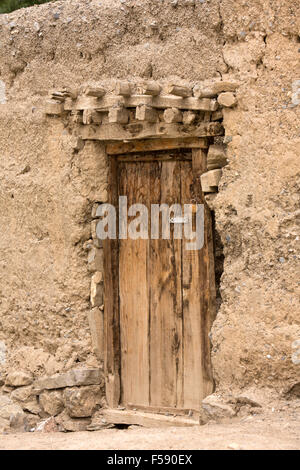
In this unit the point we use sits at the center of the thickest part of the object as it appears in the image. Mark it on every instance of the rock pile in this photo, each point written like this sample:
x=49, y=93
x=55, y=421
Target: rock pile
x=61, y=402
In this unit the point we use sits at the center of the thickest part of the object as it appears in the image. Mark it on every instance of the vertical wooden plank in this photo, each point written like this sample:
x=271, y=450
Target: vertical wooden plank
x=134, y=298
x=199, y=161
x=166, y=388
x=196, y=303
x=193, y=307
x=210, y=290
x=199, y=165
x=111, y=301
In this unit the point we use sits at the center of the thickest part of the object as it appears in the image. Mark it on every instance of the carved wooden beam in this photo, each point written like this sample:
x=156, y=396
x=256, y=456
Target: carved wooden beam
x=152, y=145
x=145, y=130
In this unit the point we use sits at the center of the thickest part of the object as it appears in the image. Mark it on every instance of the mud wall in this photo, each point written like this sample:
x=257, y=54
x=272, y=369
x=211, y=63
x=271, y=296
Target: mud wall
x=47, y=187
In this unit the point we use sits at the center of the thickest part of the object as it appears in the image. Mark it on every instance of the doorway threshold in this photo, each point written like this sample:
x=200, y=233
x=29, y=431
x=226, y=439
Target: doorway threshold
x=149, y=420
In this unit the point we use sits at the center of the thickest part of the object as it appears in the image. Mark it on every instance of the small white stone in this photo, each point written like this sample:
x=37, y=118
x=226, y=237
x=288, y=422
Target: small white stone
x=2, y=352
x=2, y=92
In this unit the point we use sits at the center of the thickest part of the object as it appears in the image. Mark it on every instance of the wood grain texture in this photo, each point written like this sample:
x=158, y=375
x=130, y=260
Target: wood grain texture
x=161, y=299
x=134, y=293
x=112, y=356
x=149, y=420
x=193, y=306
x=166, y=301
x=207, y=273
x=118, y=148
x=199, y=159
x=146, y=130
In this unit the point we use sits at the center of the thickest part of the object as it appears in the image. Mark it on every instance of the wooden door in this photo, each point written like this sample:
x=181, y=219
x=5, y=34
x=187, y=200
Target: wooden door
x=165, y=296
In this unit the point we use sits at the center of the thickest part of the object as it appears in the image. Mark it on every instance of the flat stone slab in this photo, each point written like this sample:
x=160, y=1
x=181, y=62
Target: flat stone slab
x=72, y=378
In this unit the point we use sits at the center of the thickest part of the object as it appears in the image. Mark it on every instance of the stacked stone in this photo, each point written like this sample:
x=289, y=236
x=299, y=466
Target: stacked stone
x=94, y=248
x=61, y=402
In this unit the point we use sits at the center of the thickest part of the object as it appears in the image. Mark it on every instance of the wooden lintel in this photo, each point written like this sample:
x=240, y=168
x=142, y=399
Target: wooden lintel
x=144, y=130
x=156, y=157
x=150, y=420
x=117, y=148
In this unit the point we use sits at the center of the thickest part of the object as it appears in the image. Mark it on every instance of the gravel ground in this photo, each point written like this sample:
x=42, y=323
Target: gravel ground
x=275, y=431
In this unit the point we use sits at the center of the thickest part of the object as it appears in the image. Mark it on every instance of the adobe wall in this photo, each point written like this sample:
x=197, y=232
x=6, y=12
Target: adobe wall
x=48, y=187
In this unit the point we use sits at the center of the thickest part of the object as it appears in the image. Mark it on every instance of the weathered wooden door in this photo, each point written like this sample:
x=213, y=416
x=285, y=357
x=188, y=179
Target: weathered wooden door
x=165, y=296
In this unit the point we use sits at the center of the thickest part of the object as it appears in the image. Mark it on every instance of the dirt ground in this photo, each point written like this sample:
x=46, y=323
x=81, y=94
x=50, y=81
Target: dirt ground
x=278, y=431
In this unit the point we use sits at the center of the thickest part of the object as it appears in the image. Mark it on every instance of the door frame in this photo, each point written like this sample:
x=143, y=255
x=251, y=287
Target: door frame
x=112, y=346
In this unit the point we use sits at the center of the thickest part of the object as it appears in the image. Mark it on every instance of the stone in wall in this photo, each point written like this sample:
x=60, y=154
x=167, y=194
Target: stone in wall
x=11, y=414
x=22, y=394
x=216, y=157
x=95, y=257
x=66, y=423
x=97, y=289
x=47, y=425
x=2, y=92
x=214, y=409
x=52, y=402
x=32, y=406
x=4, y=425
x=18, y=379
x=82, y=402
x=72, y=378
x=27, y=399
x=2, y=353
x=227, y=99
x=96, y=323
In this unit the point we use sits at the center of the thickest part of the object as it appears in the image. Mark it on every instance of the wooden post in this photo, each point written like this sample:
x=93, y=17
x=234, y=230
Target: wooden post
x=112, y=354
x=206, y=258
